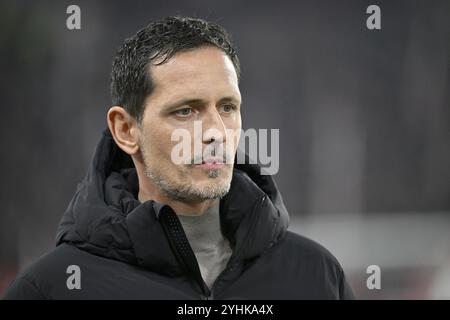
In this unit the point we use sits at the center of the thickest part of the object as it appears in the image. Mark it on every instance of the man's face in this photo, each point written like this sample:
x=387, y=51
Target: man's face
x=194, y=87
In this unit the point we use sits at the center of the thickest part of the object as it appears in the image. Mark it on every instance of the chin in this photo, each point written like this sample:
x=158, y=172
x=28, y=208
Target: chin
x=222, y=179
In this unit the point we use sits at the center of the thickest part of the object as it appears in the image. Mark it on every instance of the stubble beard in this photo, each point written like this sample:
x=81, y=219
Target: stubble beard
x=188, y=191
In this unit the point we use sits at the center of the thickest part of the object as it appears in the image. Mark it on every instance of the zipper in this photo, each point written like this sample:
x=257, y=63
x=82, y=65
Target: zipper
x=233, y=259
x=181, y=247
x=228, y=268
x=175, y=233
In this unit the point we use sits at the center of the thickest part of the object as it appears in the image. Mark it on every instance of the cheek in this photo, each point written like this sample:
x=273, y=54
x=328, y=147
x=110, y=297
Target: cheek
x=234, y=122
x=158, y=143
x=233, y=126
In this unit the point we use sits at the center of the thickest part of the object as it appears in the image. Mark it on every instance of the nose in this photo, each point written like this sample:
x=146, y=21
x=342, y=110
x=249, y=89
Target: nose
x=214, y=130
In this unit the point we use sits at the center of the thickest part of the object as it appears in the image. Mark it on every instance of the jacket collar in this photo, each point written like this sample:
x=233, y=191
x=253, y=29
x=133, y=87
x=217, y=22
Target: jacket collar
x=106, y=219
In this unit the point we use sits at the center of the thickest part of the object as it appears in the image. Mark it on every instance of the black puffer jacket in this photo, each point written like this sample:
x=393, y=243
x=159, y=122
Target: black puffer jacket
x=127, y=250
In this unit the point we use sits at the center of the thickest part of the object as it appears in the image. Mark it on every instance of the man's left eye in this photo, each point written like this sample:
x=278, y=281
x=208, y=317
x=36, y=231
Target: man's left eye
x=228, y=108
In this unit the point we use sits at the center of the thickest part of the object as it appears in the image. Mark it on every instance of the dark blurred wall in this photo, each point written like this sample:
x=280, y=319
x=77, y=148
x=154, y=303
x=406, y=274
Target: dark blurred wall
x=364, y=116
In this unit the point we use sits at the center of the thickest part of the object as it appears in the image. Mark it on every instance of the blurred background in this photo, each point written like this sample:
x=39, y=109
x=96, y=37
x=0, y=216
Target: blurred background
x=364, y=119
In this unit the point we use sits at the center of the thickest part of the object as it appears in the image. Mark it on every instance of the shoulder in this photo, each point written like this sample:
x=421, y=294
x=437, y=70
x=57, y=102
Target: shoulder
x=39, y=279
x=308, y=249
x=310, y=262
x=317, y=264
x=307, y=254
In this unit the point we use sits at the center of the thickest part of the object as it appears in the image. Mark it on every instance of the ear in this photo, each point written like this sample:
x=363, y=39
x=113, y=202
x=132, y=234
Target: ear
x=124, y=129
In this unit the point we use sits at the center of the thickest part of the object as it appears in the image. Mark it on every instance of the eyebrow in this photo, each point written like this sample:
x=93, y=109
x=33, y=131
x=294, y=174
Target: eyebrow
x=199, y=101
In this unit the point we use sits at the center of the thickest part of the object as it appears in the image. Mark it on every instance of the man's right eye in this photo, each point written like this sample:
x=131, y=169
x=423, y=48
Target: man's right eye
x=185, y=112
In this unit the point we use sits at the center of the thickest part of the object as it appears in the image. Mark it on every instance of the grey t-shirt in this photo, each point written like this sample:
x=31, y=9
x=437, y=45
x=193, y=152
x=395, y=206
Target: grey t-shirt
x=210, y=247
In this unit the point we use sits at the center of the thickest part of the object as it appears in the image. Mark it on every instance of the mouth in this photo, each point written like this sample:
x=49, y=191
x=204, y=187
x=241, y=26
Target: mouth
x=211, y=164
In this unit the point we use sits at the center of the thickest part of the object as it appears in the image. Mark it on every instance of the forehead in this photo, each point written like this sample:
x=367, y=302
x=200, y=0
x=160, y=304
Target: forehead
x=205, y=71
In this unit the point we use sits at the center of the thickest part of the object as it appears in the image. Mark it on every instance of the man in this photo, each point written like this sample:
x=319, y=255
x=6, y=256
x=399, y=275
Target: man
x=143, y=226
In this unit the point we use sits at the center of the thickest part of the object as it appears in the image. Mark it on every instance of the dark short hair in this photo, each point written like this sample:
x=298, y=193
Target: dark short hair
x=155, y=44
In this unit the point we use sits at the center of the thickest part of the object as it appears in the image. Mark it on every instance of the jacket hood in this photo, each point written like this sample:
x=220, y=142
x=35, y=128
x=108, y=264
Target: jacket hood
x=106, y=219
